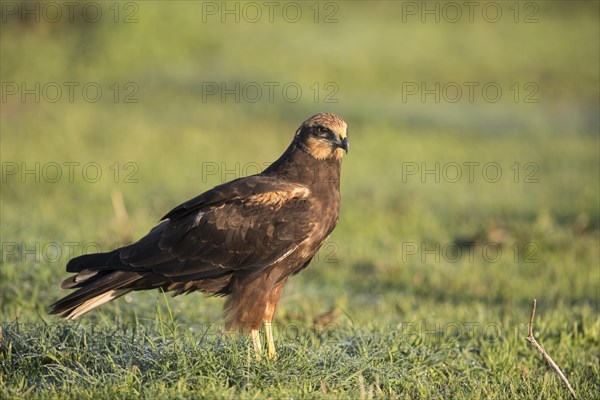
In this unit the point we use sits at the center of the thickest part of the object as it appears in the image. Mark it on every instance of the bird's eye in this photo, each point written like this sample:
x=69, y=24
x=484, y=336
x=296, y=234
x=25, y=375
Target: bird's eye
x=322, y=131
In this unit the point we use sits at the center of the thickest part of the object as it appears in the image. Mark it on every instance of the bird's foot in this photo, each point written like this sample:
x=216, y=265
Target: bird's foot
x=270, y=341
x=258, y=350
x=256, y=343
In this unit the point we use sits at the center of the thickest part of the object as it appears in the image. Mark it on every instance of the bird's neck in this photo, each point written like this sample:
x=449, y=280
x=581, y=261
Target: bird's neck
x=297, y=165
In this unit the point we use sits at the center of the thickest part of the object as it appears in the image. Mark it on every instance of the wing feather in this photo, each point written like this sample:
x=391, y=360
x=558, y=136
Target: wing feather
x=243, y=226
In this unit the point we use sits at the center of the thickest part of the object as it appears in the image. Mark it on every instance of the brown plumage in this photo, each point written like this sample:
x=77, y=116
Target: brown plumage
x=242, y=239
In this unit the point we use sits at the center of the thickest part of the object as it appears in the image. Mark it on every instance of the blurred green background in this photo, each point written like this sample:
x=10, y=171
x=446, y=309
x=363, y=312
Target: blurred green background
x=160, y=136
x=176, y=138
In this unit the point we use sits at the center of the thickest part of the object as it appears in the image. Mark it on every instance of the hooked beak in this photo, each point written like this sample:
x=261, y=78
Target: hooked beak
x=343, y=144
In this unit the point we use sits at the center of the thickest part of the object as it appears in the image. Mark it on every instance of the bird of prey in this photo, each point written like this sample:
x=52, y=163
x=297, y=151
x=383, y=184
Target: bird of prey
x=242, y=239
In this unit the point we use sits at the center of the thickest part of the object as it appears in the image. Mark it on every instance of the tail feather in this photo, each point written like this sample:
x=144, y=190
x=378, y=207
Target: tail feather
x=89, y=305
x=98, y=284
x=95, y=261
x=75, y=281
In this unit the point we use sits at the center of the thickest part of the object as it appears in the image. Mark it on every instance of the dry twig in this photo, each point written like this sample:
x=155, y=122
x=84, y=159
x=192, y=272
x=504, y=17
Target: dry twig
x=123, y=222
x=531, y=339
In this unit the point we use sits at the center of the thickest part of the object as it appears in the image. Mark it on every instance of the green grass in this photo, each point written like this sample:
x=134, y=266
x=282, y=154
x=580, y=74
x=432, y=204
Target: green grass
x=166, y=360
x=405, y=322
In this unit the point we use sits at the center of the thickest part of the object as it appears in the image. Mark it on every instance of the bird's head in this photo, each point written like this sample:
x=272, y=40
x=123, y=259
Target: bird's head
x=323, y=136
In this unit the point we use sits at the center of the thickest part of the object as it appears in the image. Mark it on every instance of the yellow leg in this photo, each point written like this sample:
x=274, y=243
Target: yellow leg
x=256, y=343
x=270, y=341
